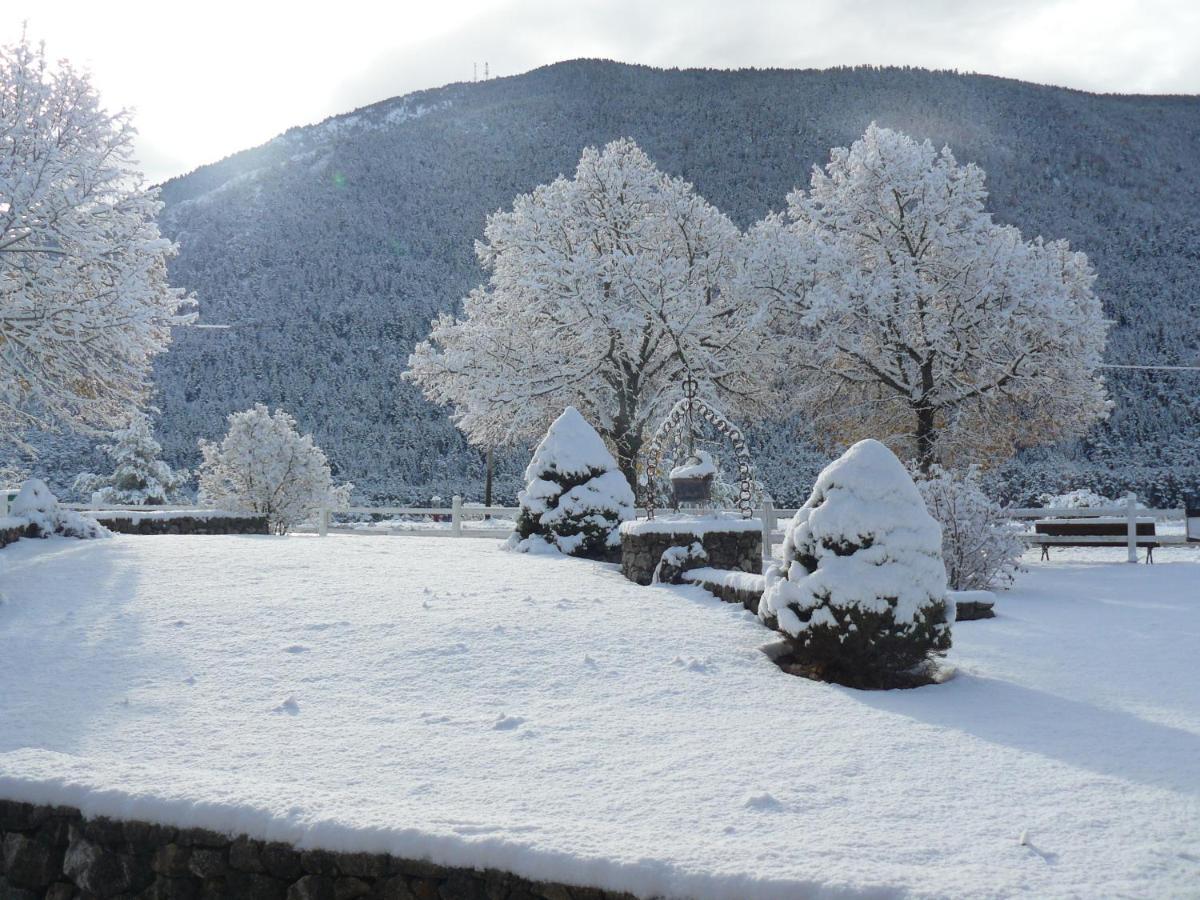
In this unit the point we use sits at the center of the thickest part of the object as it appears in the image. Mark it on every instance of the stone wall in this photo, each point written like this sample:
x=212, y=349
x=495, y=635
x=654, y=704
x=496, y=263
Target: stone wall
x=641, y=551
x=748, y=597
x=53, y=853
x=12, y=534
x=135, y=524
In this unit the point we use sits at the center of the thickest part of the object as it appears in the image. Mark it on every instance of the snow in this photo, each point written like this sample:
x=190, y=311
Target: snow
x=541, y=714
x=730, y=578
x=695, y=525
x=36, y=505
x=571, y=447
x=700, y=469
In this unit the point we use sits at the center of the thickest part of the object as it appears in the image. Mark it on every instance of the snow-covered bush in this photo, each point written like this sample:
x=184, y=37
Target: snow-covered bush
x=139, y=477
x=36, y=506
x=862, y=595
x=575, y=497
x=1081, y=498
x=980, y=546
x=264, y=466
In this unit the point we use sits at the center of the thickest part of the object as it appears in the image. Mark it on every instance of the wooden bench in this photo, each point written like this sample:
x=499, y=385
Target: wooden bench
x=1095, y=532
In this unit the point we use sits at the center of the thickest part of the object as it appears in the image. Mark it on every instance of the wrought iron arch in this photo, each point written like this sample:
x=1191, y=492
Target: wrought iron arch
x=683, y=413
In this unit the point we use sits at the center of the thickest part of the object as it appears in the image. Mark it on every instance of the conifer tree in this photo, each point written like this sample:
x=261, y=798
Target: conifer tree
x=862, y=595
x=575, y=497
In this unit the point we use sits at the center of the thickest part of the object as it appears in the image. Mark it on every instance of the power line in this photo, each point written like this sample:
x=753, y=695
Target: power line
x=1153, y=368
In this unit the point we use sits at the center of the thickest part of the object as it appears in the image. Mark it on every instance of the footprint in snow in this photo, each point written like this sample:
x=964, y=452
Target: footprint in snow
x=694, y=664
x=507, y=723
x=289, y=706
x=191, y=679
x=295, y=648
x=763, y=802
x=589, y=662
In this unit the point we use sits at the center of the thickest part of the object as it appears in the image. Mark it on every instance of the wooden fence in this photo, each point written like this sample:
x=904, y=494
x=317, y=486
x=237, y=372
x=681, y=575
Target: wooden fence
x=459, y=518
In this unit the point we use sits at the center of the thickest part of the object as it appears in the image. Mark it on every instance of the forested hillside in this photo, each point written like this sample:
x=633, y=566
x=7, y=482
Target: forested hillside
x=328, y=250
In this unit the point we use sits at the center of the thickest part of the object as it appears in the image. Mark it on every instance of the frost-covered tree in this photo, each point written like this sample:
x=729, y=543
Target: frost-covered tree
x=84, y=298
x=861, y=596
x=915, y=316
x=139, y=476
x=980, y=548
x=264, y=466
x=575, y=497
x=605, y=290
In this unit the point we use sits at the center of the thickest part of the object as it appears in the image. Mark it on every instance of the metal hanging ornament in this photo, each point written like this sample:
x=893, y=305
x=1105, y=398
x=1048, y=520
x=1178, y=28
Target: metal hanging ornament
x=680, y=424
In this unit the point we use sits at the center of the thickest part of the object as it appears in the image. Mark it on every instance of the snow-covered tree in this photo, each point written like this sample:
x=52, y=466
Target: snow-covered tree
x=84, y=299
x=575, y=497
x=915, y=316
x=264, y=466
x=861, y=596
x=605, y=290
x=980, y=548
x=139, y=477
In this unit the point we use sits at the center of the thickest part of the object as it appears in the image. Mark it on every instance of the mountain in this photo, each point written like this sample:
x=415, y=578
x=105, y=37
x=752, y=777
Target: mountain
x=327, y=250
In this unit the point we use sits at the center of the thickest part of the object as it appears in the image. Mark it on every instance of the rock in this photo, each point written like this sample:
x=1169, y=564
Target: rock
x=103, y=831
x=207, y=862
x=319, y=862
x=171, y=860
x=102, y=872
x=145, y=834
x=312, y=887
x=394, y=888
x=30, y=863
x=460, y=886
x=60, y=890
x=16, y=816
x=419, y=868
x=281, y=861
x=201, y=837
x=248, y=886
x=165, y=888
x=424, y=889
x=9, y=891
x=244, y=855
x=349, y=888
x=363, y=865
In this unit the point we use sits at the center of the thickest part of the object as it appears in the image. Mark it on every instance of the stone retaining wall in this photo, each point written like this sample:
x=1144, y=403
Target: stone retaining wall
x=53, y=853
x=135, y=524
x=748, y=598
x=12, y=535
x=641, y=551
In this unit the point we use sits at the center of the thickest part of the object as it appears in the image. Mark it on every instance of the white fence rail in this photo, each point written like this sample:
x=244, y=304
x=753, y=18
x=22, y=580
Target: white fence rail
x=459, y=517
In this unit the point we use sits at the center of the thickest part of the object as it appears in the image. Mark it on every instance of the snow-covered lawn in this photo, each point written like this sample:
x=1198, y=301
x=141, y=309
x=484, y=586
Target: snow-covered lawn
x=539, y=714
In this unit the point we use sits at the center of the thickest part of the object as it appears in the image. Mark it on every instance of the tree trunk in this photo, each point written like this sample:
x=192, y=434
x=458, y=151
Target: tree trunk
x=926, y=438
x=487, y=481
x=628, y=445
x=926, y=420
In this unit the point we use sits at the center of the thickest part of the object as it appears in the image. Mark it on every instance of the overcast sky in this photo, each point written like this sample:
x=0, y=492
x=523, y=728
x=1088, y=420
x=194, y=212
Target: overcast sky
x=208, y=79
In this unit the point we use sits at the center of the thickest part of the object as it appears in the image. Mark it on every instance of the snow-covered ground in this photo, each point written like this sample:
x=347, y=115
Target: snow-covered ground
x=445, y=699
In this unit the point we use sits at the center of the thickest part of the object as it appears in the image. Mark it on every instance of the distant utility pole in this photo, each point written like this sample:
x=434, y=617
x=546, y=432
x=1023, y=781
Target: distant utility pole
x=474, y=71
x=485, y=71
